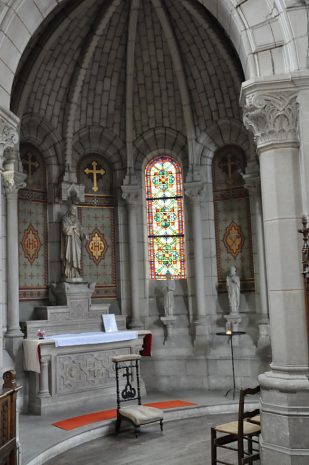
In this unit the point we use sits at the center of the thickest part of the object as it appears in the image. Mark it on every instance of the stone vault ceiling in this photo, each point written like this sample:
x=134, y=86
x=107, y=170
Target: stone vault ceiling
x=129, y=66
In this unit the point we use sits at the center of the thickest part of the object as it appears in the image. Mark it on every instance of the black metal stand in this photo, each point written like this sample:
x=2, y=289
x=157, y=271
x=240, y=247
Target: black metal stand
x=230, y=335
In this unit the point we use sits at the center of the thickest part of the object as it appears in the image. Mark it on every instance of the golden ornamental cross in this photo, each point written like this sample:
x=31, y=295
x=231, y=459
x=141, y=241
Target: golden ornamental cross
x=94, y=172
x=229, y=163
x=28, y=163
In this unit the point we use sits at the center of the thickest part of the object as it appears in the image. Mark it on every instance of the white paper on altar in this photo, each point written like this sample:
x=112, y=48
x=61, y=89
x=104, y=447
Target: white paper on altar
x=109, y=323
x=64, y=340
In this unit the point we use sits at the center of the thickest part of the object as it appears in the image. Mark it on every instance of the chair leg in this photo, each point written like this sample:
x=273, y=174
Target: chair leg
x=213, y=447
x=161, y=425
x=240, y=450
x=250, y=448
x=118, y=423
x=137, y=430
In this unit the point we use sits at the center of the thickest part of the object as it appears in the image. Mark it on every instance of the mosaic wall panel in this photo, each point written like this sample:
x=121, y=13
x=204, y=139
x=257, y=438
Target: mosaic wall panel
x=97, y=215
x=232, y=218
x=98, y=257
x=32, y=228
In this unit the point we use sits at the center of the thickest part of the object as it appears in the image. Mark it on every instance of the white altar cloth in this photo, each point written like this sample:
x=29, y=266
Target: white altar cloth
x=64, y=340
x=31, y=346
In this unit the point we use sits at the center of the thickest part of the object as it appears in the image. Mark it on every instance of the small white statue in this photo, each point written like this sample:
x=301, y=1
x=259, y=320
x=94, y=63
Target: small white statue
x=168, y=292
x=233, y=289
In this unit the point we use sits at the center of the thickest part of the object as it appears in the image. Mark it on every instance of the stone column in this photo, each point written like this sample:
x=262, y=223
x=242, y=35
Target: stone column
x=44, y=378
x=194, y=191
x=9, y=137
x=272, y=116
x=131, y=194
x=253, y=184
x=12, y=181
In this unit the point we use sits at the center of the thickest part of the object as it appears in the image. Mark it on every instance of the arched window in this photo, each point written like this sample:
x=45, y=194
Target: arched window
x=164, y=198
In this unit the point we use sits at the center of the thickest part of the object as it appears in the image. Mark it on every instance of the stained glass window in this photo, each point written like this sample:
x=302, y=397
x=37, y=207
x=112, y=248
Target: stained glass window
x=164, y=197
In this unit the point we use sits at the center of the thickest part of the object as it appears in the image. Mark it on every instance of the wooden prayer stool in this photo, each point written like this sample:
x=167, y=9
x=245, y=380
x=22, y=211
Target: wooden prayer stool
x=137, y=415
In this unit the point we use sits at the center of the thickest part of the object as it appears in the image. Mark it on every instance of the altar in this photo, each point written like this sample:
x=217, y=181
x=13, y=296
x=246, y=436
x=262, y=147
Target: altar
x=68, y=376
x=72, y=365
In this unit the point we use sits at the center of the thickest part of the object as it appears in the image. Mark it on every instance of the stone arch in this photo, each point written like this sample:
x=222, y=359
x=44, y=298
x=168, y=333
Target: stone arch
x=158, y=141
x=96, y=139
x=224, y=132
x=40, y=133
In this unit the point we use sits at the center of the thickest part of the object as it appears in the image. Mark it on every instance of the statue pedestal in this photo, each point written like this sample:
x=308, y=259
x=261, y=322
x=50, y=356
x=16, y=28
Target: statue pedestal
x=76, y=295
x=234, y=320
x=169, y=323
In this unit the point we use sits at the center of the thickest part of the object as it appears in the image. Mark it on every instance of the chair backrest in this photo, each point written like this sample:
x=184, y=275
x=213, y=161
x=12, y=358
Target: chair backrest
x=243, y=412
x=127, y=366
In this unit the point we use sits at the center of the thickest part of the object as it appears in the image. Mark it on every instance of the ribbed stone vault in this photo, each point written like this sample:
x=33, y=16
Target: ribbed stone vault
x=128, y=67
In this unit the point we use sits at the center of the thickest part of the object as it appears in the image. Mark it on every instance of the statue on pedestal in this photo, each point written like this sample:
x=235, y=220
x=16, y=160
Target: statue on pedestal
x=168, y=292
x=71, y=243
x=233, y=289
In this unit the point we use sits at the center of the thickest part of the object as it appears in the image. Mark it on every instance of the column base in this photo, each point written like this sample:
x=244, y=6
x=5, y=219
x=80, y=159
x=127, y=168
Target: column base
x=12, y=342
x=285, y=417
x=136, y=324
x=202, y=335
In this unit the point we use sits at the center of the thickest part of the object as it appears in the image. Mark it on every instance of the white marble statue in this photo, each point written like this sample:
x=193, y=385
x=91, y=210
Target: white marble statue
x=233, y=289
x=168, y=291
x=71, y=243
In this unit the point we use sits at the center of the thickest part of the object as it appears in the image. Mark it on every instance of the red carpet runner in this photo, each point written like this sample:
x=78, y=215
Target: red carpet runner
x=83, y=420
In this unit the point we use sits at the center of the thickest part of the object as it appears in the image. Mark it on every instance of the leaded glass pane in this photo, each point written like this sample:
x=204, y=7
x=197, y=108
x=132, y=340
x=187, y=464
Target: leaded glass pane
x=165, y=218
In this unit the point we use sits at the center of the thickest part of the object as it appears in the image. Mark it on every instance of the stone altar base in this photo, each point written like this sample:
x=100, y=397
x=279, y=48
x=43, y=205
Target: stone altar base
x=70, y=376
x=75, y=375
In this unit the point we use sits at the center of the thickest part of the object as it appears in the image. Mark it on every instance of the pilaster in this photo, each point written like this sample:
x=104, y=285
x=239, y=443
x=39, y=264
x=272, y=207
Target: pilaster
x=194, y=191
x=272, y=116
x=12, y=182
x=9, y=137
x=131, y=194
x=253, y=184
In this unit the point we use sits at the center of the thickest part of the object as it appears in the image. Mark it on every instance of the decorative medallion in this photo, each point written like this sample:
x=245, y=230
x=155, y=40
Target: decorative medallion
x=165, y=217
x=163, y=179
x=31, y=243
x=167, y=253
x=233, y=239
x=95, y=174
x=96, y=246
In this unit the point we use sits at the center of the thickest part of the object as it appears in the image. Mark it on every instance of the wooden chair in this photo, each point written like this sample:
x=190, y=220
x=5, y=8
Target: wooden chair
x=241, y=431
x=137, y=415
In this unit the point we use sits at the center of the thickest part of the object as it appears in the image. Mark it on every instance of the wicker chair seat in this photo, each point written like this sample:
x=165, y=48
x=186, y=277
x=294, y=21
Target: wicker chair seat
x=141, y=414
x=232, y=428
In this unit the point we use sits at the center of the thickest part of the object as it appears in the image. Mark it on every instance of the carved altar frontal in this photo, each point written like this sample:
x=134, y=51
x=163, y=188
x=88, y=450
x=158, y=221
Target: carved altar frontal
x=93, y=369
x=75, y=375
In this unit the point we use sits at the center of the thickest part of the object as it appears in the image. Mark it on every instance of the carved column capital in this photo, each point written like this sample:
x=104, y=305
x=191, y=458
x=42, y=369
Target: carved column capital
x=194, y=190
x=131, y=194
x=272, y=117
x=13, y=181
x=8, y=130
